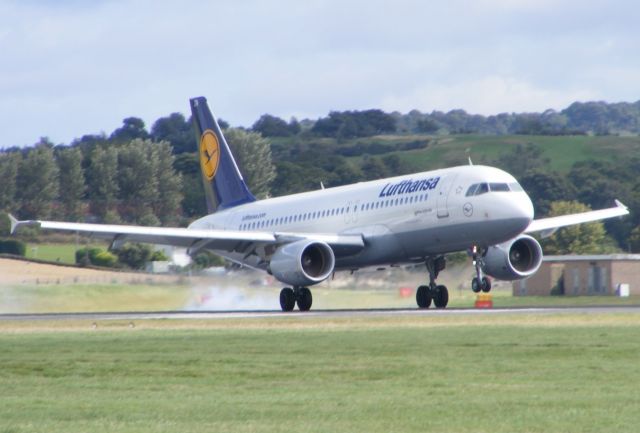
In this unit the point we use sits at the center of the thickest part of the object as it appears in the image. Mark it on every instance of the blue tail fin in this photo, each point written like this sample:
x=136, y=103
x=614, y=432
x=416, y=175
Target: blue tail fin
x=224, y=186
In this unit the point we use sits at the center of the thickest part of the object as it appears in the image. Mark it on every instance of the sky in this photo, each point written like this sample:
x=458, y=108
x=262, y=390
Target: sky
x=73, y=67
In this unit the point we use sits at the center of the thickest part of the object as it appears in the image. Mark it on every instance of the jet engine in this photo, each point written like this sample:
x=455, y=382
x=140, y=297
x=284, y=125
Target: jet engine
x=303, y=263
x=513, y=260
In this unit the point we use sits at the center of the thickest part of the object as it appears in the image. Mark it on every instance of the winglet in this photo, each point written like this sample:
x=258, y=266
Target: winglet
x=15, y=224
x=621, y=205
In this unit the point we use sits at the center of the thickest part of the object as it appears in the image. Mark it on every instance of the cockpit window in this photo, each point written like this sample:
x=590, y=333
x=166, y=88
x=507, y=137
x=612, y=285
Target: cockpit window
x=499, y=187
x=472, y=190
x=477, y=189
x=515, y=186
x=482, y=189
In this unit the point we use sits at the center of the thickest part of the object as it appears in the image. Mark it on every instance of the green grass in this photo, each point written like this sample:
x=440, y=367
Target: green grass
x=528, y=373
x=144, y=296
x=63, y=253
x=562, y=151
x=97, y=297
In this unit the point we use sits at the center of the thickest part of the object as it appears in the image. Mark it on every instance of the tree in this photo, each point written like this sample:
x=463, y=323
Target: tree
x=72, y=183
x=546, y=187
x=428, y=126
x=351, y=124
x=131, y=129
x=599, y=182
x=176, y=130
x=103, y=183
x=252, y=152
x=138, y=180
x=193, y=202
x=588, y=238
x=294, y=126
x=634, y=240
x=373, y=168
x=271, y=126
x=167, y=207
x=9, y=163
x=523, y=159
x=295, y=177
x=37, y=182
x=134, y=255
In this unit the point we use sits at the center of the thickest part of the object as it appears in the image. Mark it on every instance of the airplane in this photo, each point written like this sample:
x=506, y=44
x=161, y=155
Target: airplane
x=303, y=239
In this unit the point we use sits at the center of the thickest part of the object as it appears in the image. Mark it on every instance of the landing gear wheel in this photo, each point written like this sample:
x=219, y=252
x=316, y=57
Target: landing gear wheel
x=486, y=285
x=423, y=297
x=304, y=299
x=475, y=286
x=287, y=299
x=440, y=296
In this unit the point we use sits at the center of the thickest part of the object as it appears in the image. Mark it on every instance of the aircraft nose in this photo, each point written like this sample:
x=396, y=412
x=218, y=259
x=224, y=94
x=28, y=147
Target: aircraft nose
x=523, y=209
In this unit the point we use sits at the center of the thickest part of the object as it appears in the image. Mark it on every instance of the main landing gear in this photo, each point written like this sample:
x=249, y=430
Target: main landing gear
x=300, y=295
x=479, y=282
x=433, y=292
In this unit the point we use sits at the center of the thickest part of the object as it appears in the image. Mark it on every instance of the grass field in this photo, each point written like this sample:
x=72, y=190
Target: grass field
x=214, y=295
x=93, y=298
x=542, y=373
x=562, y=152
x=58, y=252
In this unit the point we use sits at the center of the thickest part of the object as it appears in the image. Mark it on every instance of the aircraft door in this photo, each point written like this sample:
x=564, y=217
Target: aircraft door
x=351, y=216
x=444, y=188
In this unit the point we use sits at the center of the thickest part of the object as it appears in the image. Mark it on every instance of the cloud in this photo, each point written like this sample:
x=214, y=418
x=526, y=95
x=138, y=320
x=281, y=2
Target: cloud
x=487, y=95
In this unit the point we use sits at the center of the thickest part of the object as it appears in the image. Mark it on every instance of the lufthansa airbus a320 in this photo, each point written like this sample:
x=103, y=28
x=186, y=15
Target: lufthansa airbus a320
x=302, y=239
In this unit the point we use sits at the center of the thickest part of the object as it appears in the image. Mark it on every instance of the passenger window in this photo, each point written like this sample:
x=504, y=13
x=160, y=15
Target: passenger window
x=499, y=187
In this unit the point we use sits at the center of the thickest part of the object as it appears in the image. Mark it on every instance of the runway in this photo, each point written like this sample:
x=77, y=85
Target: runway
x=276, y=314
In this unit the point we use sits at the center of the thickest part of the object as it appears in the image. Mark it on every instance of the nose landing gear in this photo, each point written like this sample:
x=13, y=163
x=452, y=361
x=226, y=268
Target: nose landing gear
x=479, y=282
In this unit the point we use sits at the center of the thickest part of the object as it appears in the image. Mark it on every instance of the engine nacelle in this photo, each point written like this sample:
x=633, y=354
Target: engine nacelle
x=513, y=260
x=303, y=263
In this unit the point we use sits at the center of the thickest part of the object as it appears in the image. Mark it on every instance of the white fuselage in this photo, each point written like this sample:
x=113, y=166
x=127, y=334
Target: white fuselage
x=401, y=219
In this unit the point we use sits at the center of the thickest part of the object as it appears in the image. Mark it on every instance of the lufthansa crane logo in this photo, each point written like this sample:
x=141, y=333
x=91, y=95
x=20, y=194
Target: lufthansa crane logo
x=467, y=209
x=209, y=154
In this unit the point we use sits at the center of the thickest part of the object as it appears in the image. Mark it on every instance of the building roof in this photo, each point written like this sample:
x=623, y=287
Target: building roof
x=593, y=258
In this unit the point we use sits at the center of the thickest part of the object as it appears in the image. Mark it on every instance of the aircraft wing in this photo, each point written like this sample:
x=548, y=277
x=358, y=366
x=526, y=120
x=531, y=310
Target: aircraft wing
x=548, y=226
x=194, y=239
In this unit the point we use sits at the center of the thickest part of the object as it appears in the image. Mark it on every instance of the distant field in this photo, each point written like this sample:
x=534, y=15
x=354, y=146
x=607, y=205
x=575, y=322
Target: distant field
x=543, y=373
x=563, y=151
x=62, y=253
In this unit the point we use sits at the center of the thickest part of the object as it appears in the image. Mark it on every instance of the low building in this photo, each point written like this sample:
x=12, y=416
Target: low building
x=583, y=275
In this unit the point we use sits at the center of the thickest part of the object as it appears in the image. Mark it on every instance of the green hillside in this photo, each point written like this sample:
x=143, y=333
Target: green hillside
x=562, y=151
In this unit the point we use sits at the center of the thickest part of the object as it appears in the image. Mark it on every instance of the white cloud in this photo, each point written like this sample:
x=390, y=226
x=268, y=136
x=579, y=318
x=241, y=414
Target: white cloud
x=487, y=95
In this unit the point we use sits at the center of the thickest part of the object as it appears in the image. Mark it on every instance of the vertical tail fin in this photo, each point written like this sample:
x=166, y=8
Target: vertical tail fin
x=224, y=186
